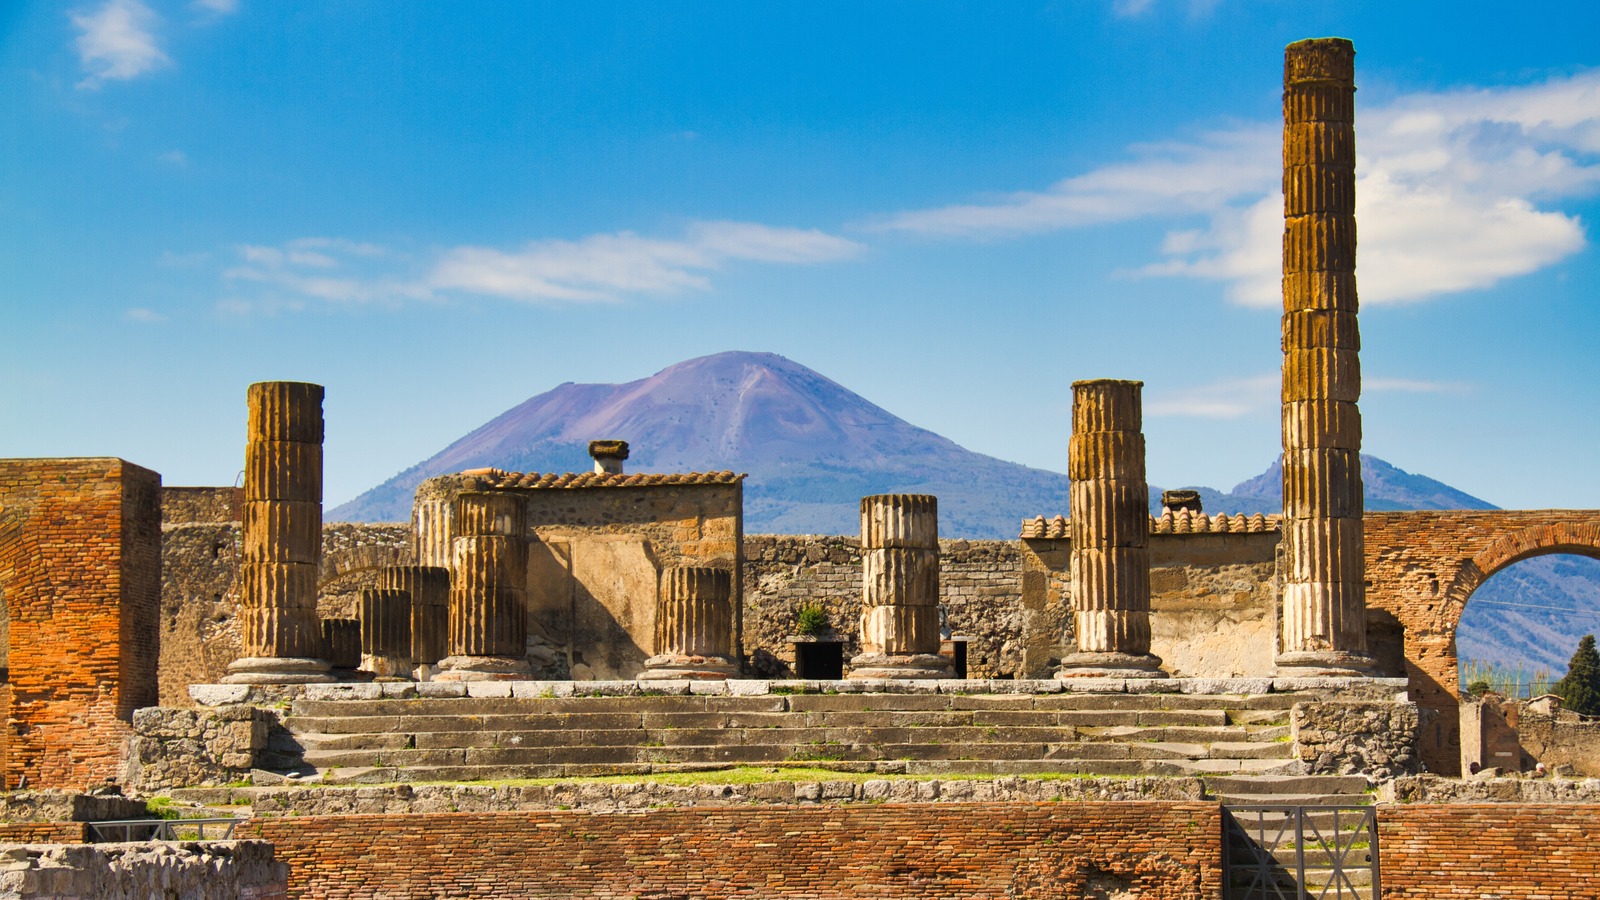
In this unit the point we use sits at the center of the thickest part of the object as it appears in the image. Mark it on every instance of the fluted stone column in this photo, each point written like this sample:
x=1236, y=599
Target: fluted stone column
x=900, y=589
x=1110, y=528
x=429, y=587
x=280, y=634
x=488, y=624
x=386, y=634
x=341, y=643
x=694, y=625
x=1323, y=621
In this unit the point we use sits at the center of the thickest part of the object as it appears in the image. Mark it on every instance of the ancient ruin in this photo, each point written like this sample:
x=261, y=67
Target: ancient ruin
x=1110, y=533
x=424, y=708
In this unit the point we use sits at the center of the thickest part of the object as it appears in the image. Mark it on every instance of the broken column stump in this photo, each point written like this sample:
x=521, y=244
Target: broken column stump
x=900, y=589
x=488, y=618
x=694, y=626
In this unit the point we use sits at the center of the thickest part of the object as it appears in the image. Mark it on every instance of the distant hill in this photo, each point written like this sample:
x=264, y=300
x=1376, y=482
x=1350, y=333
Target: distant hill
x=813, y=448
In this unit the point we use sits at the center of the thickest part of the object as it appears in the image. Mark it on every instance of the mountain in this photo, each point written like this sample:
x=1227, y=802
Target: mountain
x=811, y=447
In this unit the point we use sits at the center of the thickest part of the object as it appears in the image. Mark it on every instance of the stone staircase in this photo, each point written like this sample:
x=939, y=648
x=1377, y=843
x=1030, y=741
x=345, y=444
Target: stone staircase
x=414, y=739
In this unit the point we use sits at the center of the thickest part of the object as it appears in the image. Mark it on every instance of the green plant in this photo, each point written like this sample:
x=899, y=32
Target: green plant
x=812, y=619
x=1579, y=689
x=162, y=808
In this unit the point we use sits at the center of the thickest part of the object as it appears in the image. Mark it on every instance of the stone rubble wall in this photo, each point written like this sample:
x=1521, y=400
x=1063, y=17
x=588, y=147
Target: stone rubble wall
x=1377, y=739
x=405, y=799
x=1441, y=789
x=174, y=747
x=66, y=806
x=213, y=870
x=1559, y=737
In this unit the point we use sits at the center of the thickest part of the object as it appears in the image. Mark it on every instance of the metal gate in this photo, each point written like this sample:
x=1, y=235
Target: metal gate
x=1300, y=853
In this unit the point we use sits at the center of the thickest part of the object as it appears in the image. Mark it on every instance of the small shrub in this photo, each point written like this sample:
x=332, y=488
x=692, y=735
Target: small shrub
x=812, y=620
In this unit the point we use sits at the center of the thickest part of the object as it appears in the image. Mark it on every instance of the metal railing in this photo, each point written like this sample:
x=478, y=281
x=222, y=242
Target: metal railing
x=1300, y=853
x=134, y=830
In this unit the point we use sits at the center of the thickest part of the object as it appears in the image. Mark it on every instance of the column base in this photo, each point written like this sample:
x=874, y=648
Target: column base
x=1319, y=663
x=1110, y=665
x=387, y=668
x=669, y=667
x=900, y=666
x=483, y=668
x=277, y=670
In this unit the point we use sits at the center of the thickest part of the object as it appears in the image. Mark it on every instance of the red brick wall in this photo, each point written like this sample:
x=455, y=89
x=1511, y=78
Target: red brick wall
x=43, y=832
x=1158, y=851
x=1422, y=566
x=80, y=573
x=1504, y=851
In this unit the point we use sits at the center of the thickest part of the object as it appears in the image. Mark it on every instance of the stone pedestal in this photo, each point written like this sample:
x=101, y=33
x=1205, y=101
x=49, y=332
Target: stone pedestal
x=694, y=626
x=280, y=635
x=488, y=627
x=1110, y=527
x=900, y=589
x=429, y=588
x=386, y=634
x=1323, y=620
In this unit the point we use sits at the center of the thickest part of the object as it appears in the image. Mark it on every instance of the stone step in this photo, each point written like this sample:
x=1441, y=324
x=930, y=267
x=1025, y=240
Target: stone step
x=1231, y=799
x=1067, y=702
x=1290, y=784
x=1193, y=734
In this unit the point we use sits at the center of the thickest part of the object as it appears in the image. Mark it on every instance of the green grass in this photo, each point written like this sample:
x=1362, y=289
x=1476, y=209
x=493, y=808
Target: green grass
x=741, y=775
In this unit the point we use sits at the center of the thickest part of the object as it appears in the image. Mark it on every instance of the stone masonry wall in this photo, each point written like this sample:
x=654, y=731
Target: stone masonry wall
x=1152, y=850
x=194, y=747
x=215, y=870
x=1505, y=851
x=1349, y=738
x=80, y=582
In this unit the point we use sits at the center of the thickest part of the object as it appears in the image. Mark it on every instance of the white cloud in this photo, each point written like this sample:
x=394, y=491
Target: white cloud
x=1411, y=386
x=143, y=315
x=1455, y=191
x=597, y=268
x=1229, y=398
x=606, y=266
x=117, y=42
x=217, y=7
x=175, y=157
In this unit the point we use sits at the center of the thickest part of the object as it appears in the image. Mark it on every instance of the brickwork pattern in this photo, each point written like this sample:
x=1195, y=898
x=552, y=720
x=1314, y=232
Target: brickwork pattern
x=1422, y=567
x=1152, y=850
x=80, y=574
x=1505, y=851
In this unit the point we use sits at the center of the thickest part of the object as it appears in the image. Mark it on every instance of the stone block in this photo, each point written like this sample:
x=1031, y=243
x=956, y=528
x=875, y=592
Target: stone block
x=219, y=694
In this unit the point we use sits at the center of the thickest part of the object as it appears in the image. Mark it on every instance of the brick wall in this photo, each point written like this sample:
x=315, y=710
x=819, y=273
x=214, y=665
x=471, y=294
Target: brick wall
x=1421, y=568
x=1152, y=850
x=43, y=832
x=1503, y=851
x=80, y=572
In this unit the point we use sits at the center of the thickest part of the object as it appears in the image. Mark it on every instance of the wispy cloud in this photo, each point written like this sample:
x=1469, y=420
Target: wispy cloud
x=1133, y=9
x=143, y=315
x=116, y=42
x=1412, y=386
x=1455, y=191
x=217, y=7
x=1229, y=398
x=596, y=268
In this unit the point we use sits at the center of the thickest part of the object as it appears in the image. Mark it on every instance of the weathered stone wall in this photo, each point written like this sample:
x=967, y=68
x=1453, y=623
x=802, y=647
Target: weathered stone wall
x=80, y=580
x=213, y=870
x=200, y=556
x=1440, y=789
x=1509, y=852
x=1421, y=568
x=1356, y=738
x=65, y=806
x=189, y=748
x=1558, y=737
x=1157, y=851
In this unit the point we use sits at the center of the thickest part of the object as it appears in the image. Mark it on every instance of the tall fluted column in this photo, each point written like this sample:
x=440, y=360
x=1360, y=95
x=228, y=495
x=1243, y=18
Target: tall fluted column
x=1110, y=527
x=694, y=625
x=488, y=622
x=386, y=634
x=1323, y=617
x=900, y=589
x=280, y=633
x=429, y=587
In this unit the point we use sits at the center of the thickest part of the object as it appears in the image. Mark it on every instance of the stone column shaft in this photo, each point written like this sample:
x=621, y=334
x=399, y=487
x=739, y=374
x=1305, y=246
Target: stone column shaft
x=900, y=589
x=281, y=636
x=1323, y=621
x=694, y=625
x=429, y=587
x=386, y=633
x=1110, y=528
x=488, y=624
x=341, y=642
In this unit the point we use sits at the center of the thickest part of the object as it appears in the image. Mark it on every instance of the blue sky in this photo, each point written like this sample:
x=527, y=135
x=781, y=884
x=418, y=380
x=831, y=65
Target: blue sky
x=956, y=209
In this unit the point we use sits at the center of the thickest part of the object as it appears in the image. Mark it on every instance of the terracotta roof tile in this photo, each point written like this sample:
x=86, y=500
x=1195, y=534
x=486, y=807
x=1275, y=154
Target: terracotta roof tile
x=1182, y=522
x=495, y=479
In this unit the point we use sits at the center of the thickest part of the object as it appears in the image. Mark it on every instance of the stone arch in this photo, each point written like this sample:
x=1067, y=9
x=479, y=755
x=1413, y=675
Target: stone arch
x=345, y=572
x=1576, y=538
